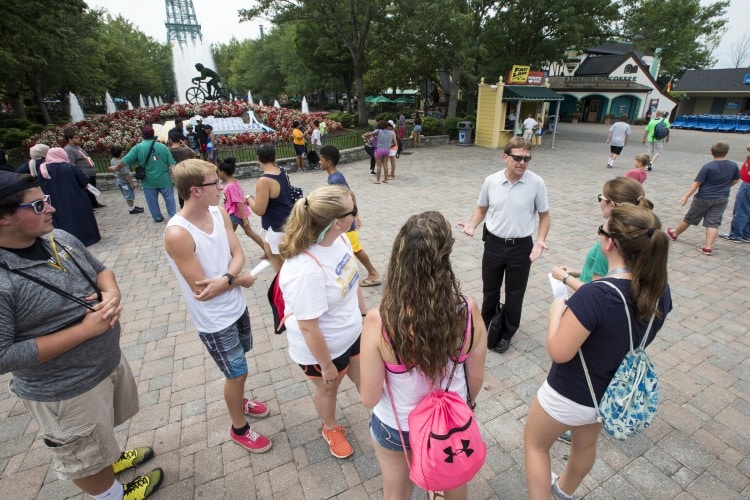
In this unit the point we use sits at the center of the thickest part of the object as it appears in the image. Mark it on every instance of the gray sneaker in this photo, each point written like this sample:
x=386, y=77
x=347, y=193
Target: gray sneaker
x=557, y=492
x=728, y=237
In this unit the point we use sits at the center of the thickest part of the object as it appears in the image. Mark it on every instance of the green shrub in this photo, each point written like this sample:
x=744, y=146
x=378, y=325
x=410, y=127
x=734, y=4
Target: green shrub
x=387, y=115
x=432, y=126
x=35, y=128
x=14, y=138
x=451, y=127
x=347, y=120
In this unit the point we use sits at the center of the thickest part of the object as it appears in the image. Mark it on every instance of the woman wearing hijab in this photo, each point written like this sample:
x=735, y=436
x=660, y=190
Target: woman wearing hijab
x=66, y=185
x=37, y=153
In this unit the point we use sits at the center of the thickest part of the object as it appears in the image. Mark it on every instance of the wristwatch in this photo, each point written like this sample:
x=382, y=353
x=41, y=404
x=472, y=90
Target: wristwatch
x=564, y=280
x=230, y=278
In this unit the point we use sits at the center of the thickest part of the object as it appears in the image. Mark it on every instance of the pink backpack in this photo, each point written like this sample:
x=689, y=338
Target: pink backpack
x=447, y=448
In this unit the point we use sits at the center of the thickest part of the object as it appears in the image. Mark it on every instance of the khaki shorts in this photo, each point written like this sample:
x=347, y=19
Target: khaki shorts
x=354, y=240
x=80, y=431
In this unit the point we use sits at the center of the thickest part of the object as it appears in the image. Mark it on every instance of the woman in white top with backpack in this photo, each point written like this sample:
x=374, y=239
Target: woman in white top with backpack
x=422, y=323
x=320, y=283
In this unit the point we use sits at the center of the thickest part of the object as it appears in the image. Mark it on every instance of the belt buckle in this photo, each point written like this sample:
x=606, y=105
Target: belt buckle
x=510, y=241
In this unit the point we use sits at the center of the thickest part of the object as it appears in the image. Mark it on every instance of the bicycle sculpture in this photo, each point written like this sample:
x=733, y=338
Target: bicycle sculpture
x=213, y=90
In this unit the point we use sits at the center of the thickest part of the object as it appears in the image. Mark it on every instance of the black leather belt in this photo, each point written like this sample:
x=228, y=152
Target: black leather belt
x=509, y=241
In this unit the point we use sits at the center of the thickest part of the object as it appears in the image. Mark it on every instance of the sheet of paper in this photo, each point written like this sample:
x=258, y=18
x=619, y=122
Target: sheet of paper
x=260, y=267
x=559, y=290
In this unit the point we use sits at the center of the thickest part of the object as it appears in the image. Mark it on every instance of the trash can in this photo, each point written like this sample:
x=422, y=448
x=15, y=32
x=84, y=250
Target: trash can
x=464, y=133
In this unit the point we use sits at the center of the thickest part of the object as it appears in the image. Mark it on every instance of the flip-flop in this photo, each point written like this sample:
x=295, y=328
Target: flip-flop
x=368, y=282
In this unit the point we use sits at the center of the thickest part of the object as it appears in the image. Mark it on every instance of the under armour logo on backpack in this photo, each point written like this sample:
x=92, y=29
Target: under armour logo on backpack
x=466, y=450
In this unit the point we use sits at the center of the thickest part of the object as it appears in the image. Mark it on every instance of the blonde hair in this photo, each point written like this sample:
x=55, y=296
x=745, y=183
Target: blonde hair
x=310, y=216
x=189, y=173
x=643, y=159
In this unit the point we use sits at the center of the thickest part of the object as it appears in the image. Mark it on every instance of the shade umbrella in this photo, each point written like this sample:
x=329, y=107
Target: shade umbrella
x=380, y=100
x=369, y=99
x=404, y=99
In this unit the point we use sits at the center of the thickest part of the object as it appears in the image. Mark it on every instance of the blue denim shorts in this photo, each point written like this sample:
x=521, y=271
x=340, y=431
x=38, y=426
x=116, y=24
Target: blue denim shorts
x=235, y=219
x=228, y=346
x=387, y=437
x=126, y=191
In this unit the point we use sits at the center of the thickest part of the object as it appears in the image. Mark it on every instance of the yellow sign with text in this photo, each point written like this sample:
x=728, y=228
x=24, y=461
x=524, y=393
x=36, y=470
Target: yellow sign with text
x=519, y=74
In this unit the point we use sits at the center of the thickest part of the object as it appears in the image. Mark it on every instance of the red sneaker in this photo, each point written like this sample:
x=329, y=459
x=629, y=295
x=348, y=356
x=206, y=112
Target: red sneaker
x=707, y=251
x=254, y=408
x=252, y=441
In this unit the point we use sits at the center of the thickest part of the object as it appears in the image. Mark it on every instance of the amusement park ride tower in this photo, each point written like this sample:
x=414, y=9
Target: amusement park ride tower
x=188, y=48
x=181, y=21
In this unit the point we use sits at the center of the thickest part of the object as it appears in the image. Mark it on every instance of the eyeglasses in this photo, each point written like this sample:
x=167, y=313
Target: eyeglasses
x=527, y=159
x=353, y=213
x=217, y=183
x=602, y=232
x=39, y=206
x=601, y=198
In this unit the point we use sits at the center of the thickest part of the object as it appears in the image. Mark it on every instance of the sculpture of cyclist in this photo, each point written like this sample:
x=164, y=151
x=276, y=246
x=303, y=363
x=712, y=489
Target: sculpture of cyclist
x=213, y=84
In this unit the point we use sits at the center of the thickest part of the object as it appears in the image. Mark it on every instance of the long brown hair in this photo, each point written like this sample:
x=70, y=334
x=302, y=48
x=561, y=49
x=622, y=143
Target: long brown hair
x=422, y=309
x=626, y=190
x=645, y=249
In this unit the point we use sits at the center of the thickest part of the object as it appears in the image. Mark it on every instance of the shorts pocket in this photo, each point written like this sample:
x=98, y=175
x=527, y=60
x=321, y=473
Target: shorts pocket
x=76, y=452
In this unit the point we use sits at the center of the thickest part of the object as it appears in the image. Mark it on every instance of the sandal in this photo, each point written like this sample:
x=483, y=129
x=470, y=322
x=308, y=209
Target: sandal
x=369, y=282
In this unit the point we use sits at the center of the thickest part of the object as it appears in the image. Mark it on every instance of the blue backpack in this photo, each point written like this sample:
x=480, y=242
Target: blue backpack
x=661, y=131
x=631, y=399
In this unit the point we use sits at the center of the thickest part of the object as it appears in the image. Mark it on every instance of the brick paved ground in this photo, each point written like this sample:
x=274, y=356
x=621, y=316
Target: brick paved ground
x=697, y=448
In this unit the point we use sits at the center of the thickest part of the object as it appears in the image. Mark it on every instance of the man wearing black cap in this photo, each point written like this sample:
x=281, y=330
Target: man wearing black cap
x=60, y=340
x=158, y=161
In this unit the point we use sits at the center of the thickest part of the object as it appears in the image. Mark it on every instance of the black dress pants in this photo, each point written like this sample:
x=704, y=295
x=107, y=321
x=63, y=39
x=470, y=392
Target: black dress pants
x=505, y=259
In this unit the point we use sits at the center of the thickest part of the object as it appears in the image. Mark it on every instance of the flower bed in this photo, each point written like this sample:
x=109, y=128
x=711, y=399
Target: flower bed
x=123, y=128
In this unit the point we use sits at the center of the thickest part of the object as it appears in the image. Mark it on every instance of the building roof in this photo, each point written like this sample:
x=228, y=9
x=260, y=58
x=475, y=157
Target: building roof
x=515, y=93
x=588, y=83
x=713, y=80
x=601, y=65
x=615, y=48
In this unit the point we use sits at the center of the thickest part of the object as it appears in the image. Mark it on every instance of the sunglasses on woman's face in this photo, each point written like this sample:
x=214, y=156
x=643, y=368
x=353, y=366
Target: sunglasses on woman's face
x=353, y=213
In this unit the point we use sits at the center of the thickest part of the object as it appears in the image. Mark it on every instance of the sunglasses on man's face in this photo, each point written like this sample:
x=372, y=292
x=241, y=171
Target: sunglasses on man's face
x=519, y=158
x=38, y=205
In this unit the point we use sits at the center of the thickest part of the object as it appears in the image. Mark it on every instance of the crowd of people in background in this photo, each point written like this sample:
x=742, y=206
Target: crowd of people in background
x=423, y=324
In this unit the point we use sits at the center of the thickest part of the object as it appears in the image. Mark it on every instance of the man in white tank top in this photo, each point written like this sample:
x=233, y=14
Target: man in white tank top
x=206, y=256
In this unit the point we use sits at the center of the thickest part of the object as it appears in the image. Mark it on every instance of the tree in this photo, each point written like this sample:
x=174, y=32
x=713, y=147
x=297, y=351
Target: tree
x=740, y=51
x=351, y=20
x=133, y=62
x=684, y=30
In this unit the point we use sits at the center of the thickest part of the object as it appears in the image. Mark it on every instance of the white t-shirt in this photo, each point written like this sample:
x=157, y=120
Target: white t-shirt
x=315, y=137
x=619, y=131
x=328, y=293
x=529, y=123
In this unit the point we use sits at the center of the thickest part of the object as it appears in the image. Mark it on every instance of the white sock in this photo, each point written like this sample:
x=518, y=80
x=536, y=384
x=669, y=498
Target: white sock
x=115, y=492
x=130, y=209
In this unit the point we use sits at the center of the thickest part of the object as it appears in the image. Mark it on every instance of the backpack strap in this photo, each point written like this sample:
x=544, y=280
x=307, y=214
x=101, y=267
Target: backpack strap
x=453, y=371
x=630, y=332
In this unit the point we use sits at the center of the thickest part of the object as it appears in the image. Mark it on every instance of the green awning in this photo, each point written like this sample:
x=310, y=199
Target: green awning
x=515, y=93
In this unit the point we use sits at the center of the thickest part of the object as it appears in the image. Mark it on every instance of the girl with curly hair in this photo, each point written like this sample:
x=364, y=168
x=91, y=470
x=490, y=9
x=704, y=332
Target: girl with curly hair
x=424, y=316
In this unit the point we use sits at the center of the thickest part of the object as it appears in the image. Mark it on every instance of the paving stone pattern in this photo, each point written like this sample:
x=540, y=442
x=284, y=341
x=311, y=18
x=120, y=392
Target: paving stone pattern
x=697, y=447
